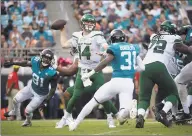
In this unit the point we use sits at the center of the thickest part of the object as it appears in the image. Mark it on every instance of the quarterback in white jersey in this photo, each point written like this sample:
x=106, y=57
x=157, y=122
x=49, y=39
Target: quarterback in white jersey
x=161, y=49
x=87, y=44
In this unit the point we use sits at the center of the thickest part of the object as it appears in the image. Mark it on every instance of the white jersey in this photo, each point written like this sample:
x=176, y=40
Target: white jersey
x=87, y=47
x=161, y=48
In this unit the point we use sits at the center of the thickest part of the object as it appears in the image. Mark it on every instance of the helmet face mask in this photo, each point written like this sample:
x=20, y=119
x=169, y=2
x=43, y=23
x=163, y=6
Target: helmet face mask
x=46, y=57
x=117, y=36
x=88, y=22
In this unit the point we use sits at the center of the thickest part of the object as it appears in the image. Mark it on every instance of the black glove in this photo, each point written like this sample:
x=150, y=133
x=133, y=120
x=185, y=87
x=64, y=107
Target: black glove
x=8, y=64
x=42, y=105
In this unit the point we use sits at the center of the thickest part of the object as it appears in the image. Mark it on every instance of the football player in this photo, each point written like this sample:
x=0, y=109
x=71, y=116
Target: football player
x=162, y=48
x=123, y=58
x=185, y=76
x=43, y=74
x=87, y=44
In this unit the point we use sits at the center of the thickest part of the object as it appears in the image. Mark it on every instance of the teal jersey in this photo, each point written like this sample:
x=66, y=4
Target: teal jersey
x=124, y=61
x=41, y=78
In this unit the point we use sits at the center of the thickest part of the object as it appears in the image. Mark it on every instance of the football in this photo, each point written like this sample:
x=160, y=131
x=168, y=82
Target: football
x=58, y=24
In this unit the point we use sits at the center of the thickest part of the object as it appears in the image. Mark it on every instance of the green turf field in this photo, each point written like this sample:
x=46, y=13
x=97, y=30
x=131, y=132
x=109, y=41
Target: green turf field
x=92, y=127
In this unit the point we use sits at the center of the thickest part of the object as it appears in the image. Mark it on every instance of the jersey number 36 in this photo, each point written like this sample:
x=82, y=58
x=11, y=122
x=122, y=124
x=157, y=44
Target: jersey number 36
x=130, y=60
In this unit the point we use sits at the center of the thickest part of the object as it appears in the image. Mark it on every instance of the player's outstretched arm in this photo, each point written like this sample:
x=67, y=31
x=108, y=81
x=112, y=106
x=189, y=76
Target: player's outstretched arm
x=180, y=47
x=53, y=87
x=63, y=39
x=21, y=63
x=68, y=71
x=140, y=65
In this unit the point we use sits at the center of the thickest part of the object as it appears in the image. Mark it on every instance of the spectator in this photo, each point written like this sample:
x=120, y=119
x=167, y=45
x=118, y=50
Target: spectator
x=118, y=23
x=15, y=34
x=40, y=5
x=156, y=11
x=41, y=32
x=150, y=20
x=112, y=16
x=30, y=4
x=104, y=26
x=138, y=20
x=175, y=18
x=3, y=9
x=27, y=35
x=120, y=11
x=42, y=43
x=29, y=18
x=46, y=23
x=185, y=21
x=12, y=88
x=8, y=29
x=15, y=8
x=33, y=25
x=27, y=10
x=15, y=43
x=40, y=18
x=97, y=15
x=4, y=43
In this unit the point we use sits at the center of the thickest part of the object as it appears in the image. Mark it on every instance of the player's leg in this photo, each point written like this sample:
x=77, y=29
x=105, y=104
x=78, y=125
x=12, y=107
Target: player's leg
x=125, y=98
x=104, y=93
x=21, y=96
x=98, y=81
x=67, y=95
x=33, y=105
x=181, y=81
x=189, y=97
x=146, y=86
x=169, y=90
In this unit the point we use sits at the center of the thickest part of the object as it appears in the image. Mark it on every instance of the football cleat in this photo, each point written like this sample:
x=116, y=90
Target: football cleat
x=162, y=117
x=9, y=114
x=61, y=123
x=140, y=121
x=26, y=124
x=72, y=126
x=110, y=122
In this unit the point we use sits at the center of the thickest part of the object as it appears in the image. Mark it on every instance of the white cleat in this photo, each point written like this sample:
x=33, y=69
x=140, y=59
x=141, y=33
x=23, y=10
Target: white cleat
x=26, y=124
x=110, y=122
x=61, y=123
x=72, y=126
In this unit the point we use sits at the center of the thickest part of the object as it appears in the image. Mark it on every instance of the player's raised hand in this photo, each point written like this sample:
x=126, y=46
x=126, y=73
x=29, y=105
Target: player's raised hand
x=8, y=64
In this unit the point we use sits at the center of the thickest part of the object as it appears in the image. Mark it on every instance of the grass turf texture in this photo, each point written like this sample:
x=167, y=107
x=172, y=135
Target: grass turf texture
x=92, y=127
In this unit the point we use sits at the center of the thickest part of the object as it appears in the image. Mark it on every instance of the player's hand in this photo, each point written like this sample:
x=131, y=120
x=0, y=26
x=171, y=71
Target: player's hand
x=85, y=76
x=87, y=82
x=8, y=64
x=43, y=105
x=102, y=54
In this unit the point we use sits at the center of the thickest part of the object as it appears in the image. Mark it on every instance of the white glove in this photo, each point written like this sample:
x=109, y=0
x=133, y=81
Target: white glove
x=87, y=82
x=86, y=76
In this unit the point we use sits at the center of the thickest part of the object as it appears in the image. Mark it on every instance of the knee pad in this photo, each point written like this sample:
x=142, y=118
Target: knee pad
x=29, y=110
x=15, y=101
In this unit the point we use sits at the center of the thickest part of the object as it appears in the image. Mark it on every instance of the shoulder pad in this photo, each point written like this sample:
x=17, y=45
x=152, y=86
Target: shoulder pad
x=77, y=34
x=96, y=33
x=152, y=36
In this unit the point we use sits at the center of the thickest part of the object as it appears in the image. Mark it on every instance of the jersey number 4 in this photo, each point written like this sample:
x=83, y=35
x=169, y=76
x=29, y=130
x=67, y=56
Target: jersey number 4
x=130, y=60
x=85, y=52
x=160, y=46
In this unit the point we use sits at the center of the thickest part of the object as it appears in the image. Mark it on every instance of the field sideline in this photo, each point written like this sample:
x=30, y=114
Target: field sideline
x=91, y=127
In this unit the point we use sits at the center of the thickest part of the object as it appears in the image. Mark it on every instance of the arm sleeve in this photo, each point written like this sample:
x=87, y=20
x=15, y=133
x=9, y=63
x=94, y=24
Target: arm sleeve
x=111, y=50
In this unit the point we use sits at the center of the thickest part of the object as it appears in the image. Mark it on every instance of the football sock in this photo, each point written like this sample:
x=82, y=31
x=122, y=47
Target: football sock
x=168, y=105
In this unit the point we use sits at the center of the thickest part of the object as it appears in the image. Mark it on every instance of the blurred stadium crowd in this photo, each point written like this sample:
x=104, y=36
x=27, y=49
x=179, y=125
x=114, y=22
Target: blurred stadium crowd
x=24, y=25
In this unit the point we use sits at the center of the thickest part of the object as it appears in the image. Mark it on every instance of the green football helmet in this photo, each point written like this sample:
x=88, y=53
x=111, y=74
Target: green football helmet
x=169, y=27
x=88, y=22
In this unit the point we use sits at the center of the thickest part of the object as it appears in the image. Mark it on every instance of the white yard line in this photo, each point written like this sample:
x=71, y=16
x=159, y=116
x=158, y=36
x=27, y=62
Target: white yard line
x=110, y=132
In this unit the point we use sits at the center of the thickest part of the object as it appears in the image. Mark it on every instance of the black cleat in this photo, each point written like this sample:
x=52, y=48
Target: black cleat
x=162, y=117
x=183, y=118
x=6, y=114
x=140, y=121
